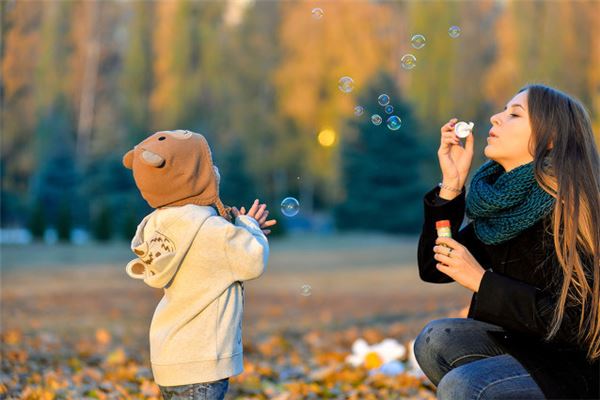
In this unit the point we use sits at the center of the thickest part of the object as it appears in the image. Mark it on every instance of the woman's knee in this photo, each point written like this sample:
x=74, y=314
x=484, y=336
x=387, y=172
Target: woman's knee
x=455, y=385
x=434, y=337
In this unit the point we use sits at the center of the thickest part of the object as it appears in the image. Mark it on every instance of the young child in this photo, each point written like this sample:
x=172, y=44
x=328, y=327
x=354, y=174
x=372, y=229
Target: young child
x=199, y=259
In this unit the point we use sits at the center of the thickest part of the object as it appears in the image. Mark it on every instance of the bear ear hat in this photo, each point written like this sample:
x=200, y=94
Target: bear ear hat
x=148, y=157
x=128, y=159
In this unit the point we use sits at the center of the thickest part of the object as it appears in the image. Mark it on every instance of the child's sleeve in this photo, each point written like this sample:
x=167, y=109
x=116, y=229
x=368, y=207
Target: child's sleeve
x=247, y=248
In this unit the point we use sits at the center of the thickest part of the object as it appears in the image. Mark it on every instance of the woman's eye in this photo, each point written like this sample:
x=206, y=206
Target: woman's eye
x=513, y=115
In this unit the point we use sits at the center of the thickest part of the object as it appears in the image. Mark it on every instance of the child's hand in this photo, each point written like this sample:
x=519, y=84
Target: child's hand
x=259, y=212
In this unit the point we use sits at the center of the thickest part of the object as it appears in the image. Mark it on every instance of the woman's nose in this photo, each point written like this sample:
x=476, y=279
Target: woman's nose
x=495, y=120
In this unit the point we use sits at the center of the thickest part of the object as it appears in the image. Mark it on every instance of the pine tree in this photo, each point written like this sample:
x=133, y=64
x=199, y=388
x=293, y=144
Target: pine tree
x=381, y=168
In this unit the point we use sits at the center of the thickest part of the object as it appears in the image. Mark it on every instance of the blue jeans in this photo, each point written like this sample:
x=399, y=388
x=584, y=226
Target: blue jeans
x=197, y=391
x=463, y=361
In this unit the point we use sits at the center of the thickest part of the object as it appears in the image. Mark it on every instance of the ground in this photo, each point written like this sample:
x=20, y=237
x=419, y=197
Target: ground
x=74, y=325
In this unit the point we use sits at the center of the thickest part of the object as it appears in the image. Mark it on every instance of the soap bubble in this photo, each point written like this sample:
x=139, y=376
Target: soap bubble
x=290, y=206
x=389, y=109
x=454, y=31
x=408, y=61
x=305, y=290
x=317, y=13
x=359, y=110
x=346, y=84
x=394, y=123
x=418, y=41
x=376, y=119
x=383, y=99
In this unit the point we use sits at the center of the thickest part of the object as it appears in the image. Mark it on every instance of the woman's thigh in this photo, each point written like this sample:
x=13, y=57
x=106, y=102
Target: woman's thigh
x=499, y=377
x=447, y=343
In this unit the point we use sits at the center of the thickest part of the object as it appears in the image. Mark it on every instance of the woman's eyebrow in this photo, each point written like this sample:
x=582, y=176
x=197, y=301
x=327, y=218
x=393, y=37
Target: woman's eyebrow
x=516, y=105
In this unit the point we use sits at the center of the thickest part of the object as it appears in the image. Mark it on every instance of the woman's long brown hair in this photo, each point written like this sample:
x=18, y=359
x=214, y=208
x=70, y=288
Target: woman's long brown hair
x=567, y=166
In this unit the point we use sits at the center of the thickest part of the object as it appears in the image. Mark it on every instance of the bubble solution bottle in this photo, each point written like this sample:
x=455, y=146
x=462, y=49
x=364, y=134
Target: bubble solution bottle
x=443, y=229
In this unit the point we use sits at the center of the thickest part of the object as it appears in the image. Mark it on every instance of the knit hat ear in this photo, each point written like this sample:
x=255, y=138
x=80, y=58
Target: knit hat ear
x=128, y=159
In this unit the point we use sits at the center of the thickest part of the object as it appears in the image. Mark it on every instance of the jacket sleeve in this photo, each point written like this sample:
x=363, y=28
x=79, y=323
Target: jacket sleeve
x=435, y=209
x=523, y=308
x=247, y=249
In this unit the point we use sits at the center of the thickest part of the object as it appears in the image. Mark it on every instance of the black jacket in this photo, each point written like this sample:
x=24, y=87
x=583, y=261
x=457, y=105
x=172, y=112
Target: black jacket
x=518, y=292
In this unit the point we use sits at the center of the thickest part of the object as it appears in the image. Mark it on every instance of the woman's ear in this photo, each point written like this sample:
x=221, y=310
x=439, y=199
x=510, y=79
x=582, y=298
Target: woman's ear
x=128, y=159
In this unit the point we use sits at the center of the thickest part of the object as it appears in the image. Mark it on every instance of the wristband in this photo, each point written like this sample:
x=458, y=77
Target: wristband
x=441, y=185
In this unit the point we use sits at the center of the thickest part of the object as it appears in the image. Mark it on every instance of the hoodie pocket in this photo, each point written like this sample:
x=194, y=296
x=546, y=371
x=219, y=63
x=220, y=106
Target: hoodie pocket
x=155, y=257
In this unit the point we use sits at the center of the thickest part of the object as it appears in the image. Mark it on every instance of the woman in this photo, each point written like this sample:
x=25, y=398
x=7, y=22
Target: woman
x=530, y=254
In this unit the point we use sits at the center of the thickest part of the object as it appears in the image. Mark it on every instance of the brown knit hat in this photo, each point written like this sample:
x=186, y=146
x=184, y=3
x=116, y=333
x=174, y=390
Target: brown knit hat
x=174, y=168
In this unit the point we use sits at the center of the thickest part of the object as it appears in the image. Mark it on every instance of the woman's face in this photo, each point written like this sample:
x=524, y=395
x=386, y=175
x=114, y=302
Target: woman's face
x=508, y=143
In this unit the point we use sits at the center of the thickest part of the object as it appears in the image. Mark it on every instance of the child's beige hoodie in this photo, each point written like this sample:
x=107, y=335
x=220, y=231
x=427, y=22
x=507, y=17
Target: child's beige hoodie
x=200, y=260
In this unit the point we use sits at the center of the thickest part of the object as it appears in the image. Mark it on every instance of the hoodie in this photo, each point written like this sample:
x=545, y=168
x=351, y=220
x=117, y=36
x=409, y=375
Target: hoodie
x=200, y=261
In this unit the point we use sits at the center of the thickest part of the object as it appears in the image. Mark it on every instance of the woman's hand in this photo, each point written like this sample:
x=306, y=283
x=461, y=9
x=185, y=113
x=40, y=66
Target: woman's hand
x=259, y=212
x=455, y=160
x=458, y=263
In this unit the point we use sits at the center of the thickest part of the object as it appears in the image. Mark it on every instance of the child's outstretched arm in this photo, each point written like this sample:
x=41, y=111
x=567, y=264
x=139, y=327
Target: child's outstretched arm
x=246, y=245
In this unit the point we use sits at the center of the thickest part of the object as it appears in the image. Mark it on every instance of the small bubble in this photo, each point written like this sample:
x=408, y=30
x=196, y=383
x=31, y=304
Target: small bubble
x=305, y=290
x=389, y=109
x=290, y=206
x=359, y=110
x=418, y=41
x=394, y=123
x=454, y=31
x=317, y=13
x=383, y=99
x=376, y=119
x=346, y=84
x=408, y=61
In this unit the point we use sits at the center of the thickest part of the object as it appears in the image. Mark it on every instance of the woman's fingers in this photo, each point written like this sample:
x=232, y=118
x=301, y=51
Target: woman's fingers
x=235, y=211
x=469, y=144
x=449, y=126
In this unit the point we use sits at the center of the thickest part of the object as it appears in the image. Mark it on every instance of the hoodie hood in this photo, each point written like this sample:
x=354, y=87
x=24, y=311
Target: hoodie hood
x=161, y=241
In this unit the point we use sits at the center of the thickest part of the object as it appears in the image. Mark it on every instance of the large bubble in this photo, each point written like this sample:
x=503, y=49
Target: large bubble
x=290, y=206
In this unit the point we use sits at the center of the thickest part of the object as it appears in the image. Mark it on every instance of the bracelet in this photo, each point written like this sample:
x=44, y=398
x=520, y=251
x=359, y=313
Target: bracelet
x=441, y=185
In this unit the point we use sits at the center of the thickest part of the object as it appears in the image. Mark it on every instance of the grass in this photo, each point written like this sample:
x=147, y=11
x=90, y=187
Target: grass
x=361, y=286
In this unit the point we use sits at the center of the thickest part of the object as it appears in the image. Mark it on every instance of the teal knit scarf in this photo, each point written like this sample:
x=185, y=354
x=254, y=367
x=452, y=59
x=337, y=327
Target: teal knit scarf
x=503, y=204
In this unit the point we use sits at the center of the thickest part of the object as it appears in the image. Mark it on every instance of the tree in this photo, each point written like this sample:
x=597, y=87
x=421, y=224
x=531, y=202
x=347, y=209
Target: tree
x=236, y=187
x=381, y=169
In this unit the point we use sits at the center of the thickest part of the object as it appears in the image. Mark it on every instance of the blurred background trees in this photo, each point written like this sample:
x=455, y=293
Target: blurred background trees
x=84, y=81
